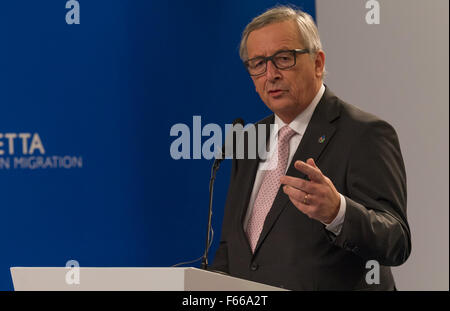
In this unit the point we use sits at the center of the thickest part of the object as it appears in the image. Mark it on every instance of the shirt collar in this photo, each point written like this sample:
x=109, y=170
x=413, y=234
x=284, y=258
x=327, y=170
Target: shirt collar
x=300, y=123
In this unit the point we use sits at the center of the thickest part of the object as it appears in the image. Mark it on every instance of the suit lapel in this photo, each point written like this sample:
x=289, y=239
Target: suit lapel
x=318, y=134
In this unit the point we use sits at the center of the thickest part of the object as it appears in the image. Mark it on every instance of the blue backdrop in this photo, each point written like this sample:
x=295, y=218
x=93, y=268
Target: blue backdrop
x=94, y=103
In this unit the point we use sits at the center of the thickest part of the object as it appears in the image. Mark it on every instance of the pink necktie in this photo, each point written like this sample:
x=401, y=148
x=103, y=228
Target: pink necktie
x=269, y=187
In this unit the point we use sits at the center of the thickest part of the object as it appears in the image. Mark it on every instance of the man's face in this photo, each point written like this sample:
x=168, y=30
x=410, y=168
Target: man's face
x=286, y=92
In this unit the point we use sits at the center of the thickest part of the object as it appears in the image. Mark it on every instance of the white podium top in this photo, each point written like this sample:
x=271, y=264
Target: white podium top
x=128, y=279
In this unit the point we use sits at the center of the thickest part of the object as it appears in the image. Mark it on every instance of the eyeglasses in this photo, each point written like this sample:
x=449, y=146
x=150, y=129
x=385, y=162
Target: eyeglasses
x=284, y=59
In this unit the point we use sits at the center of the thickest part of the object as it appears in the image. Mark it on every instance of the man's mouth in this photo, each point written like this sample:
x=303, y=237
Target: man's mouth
x=276, y=92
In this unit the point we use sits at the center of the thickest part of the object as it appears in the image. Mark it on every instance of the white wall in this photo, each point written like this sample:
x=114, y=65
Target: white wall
x=398, y=70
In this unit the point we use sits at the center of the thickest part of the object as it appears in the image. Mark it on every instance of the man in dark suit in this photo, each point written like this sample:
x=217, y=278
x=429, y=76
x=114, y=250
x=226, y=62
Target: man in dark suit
x=333, y=203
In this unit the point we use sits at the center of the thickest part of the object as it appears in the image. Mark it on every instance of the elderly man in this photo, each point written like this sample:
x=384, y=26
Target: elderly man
x=335, y=203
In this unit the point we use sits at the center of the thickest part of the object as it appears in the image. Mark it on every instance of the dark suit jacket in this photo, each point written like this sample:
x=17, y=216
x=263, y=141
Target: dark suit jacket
x=361, y=155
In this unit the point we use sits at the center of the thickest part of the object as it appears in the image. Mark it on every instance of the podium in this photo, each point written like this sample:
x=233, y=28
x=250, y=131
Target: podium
x=129, y=279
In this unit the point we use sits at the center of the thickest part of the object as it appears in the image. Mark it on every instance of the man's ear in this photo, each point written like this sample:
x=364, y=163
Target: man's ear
x=320, y=63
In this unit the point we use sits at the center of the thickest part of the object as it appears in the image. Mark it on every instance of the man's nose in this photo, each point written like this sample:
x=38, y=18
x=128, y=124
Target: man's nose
x=272, y=72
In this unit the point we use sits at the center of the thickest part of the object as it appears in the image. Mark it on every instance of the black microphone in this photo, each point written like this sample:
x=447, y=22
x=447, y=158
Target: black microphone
x=215, y=167
x=225, y=152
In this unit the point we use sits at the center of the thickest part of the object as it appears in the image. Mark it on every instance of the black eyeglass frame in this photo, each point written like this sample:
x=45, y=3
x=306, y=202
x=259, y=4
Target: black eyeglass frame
x=266, y=59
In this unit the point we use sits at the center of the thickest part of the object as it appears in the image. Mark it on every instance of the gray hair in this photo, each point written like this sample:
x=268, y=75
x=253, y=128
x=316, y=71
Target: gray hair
x=306, y=26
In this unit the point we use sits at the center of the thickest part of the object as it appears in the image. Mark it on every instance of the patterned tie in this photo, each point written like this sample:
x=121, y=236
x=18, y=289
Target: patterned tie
x=269, y=187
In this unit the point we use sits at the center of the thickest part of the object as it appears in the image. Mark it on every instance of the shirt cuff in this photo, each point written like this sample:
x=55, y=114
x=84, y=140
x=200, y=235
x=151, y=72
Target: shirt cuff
x=336, y=225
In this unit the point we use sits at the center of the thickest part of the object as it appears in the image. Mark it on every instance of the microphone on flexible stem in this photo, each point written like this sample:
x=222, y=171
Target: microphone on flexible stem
x=215, y=167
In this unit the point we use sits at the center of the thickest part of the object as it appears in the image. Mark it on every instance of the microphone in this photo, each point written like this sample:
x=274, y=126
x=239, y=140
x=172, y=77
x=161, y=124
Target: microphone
x=215, y=167
x=225, y=152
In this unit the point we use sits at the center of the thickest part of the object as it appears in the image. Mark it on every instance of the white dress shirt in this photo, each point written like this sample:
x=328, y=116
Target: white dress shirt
x=299, y=125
